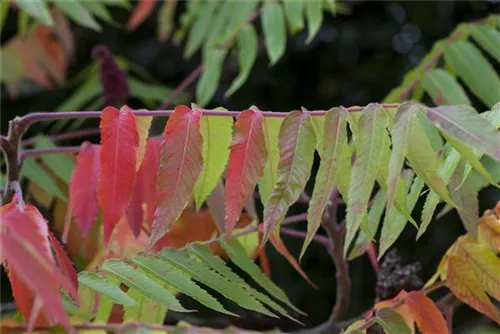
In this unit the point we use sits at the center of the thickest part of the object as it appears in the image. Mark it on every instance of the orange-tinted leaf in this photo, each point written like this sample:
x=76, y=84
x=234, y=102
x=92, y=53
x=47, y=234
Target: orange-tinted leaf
x=149, y=170
x=467, y=287
x=63, y=261
x=117, y=173
x=247, y=159
x=140, y=13
x=426, y=314
x=280, y=246
x=180, y=166
x=402, y=309
x=489, y=230
x=50, y=54
x=83, y=187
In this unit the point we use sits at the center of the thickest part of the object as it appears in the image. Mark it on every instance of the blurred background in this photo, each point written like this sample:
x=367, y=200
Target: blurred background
x=356, y=58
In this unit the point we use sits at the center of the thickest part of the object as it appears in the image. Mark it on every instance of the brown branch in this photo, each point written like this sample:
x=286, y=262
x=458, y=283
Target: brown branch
x=322, y=240
x=65, y=136
x=53, y=150
x=183, y=85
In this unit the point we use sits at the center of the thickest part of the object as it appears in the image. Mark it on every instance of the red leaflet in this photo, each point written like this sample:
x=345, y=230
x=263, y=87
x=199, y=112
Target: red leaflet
x=26, y=250
x=247, y=159
x=181, y=164
x=83, y=187
x=63, y=261
x=135, y=213
x=117, y=173
x=149, y=170
x=426, y=314
x=140, y=13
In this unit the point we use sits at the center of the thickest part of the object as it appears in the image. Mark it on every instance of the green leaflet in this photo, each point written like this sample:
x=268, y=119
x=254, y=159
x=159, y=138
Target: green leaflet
x=99, y=10
x=87, y=303
x=248, y=44
x=466, y=197
x=372, y=136
x=204, y=253
x=314, y=14
x=369, y=226
x=201, y=28
x=431, y=202
x=464, y=124
x=147, y=91
x=392, y=321
x=394, y=222
x=78, y=13
x=173, y=277
x=38, y=9
x=213, y=59
x=294, y=14
x=273, y=25
x=104, y=310
x=166, y=23
x=219, y=23
x=488, y=38
x=104, y=287
x=146, y=286
x=217, y=136
x=492, y=116
x=400, y=140
x=145, y=311
x=60, y=164
x=433, y=134
x=271, y=128
x=319, y=126
x=425, y=162
x=210, y=278
x=33, y=172
x=297, y=142
x=335, y=137
x=238, y=256
x=443, y=88
x=344, y=179
x=473, y=68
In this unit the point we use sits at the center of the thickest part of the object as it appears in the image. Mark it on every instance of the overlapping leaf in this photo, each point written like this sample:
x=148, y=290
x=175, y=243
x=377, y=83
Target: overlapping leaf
x=271, y=128
x=247, y=159
x=180, y=166
x=426, y=314
x=297, y=142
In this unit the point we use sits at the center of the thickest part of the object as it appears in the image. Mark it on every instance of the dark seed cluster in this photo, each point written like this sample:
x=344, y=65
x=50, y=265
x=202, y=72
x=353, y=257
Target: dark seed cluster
x=394, y=276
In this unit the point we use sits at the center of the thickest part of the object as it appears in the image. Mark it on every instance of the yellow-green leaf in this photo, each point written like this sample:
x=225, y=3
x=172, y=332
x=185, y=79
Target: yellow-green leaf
x=273, y=25
x=271, y=128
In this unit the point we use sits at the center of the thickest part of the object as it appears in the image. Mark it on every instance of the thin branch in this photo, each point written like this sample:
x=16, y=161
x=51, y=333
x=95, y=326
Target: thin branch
x=322, y=240
x=53, y=150
x=65, y=136
x=182, y=86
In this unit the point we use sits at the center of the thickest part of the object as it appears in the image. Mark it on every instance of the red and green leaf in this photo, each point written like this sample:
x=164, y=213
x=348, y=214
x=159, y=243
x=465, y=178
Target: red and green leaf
x=117, y=174
x=247, y=158
x=297, y=143
x=149, y=173
x=180, y=166
x=426, y=314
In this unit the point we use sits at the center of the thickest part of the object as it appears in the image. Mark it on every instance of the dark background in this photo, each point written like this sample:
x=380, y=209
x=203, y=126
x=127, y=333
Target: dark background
x=355, y=59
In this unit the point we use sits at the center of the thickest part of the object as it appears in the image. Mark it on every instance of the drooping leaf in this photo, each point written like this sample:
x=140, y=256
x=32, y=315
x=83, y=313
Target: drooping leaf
x=297, y=142
x=271, y=128
x=424, y=161
x=135, y=211
x=146, y=286
x=217, y=134
x=180, y=166
x=294, y=14
x=173, y=277
x=150, y=165
x=489, y=231
x=141, y=11
x=205, y=275
x=392, y=321
x=273, y=25
x=467, y=198
x=201, y=28
x=104, y=287
x=247, y=53
x=335, y=137
x=465, y=125
x=38, y=9
x=466, y=286
x=314, y=15
x=474, y=69
x=99, y=10
x=427, y=316
x=35, y=173
x=83, y=187
x=166, y=18
x=487, y=37
x=63, y=261
x=78, y=13
x=60, y=164
x=443, y=88
x=143, y=125
x=372, y=127
x=213, y=59
x=247, y=159
x=118, y=160
x=345, y=167
x=395, y=222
